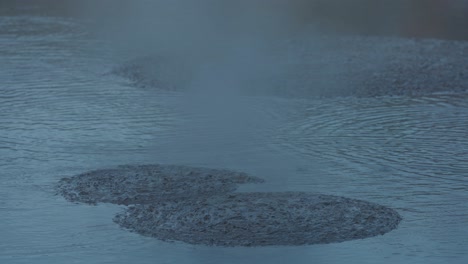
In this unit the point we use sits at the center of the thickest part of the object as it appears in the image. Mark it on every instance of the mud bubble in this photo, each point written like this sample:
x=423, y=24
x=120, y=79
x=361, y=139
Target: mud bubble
x=260, y=219
x=143, y=184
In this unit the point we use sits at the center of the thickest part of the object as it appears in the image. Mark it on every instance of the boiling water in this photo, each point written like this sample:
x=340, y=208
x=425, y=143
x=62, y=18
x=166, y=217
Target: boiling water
x=61, y=113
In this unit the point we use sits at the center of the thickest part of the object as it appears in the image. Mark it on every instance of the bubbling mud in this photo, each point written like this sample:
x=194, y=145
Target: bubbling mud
x=143, y=184
x=199, y=206
x=330, y=66
x=260, y=219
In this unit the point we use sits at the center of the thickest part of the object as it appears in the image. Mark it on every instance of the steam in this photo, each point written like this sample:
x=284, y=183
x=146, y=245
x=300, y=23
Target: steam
x=229, y=48
x=235, y=42
x=233, y=47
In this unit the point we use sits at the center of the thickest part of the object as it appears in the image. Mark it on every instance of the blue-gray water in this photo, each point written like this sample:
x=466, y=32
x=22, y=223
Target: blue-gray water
x=62, y=114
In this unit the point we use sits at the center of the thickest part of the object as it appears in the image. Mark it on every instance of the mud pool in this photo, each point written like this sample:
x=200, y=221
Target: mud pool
x=62, y=114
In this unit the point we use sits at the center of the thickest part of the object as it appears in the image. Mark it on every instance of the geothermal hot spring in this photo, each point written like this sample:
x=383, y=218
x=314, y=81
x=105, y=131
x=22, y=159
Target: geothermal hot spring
x=226, y=133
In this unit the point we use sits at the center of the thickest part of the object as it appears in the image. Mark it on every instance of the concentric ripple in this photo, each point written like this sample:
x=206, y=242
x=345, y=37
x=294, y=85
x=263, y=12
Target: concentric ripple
x=428, y=139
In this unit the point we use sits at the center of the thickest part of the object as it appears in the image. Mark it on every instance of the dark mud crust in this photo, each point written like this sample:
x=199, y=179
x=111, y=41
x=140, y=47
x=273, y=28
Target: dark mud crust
x=260, y=219
x=143, y=184
x=331, y=66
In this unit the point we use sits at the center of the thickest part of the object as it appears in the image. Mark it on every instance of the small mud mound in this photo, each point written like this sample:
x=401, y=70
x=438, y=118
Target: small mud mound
x=260, y=219
x=143, y=184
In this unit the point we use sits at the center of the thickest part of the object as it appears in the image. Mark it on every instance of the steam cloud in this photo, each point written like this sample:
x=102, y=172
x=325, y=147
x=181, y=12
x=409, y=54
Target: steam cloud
x=226, y=47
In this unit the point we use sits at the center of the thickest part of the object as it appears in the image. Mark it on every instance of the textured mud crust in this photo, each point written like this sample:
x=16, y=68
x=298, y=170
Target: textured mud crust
x=260, y=219
x=142, y=184
x=328, y=66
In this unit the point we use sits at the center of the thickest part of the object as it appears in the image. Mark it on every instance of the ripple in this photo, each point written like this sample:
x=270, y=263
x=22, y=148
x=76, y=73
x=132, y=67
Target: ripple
x=416, y=136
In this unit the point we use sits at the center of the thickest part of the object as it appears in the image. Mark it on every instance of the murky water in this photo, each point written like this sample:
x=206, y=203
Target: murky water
x=62, y=114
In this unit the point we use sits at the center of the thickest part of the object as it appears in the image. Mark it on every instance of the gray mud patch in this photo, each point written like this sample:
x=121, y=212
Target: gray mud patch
x=260, y=219
x=329, y=66
x=199, y=206
x=143, y=184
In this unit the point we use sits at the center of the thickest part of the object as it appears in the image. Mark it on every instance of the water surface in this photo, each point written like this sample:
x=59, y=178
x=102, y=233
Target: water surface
x=62, y=114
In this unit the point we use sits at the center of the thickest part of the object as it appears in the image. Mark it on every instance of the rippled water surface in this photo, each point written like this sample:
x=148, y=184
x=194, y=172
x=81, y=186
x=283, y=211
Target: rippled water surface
x=61, y=113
